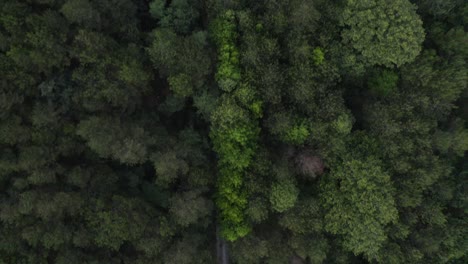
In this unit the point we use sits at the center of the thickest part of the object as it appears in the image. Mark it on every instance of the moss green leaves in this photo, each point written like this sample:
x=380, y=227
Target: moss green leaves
x=358, y=197
x=382, y=32
x=343, y=124
x=318, y=56
x=297, y=134
x=224, y=33
x=283, y=195
x=383, y=82
x=233, y=135
x=179, y=15
x=234, y=130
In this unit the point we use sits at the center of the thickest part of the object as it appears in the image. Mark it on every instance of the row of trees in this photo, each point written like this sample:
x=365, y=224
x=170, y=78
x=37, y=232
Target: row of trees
x=234, y=130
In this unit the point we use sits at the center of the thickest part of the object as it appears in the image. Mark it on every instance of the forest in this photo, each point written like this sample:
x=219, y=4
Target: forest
x=233, y=131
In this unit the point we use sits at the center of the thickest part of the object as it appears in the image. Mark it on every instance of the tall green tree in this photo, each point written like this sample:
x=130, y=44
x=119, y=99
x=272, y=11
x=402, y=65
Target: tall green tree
x=381, y=32
x=359, y=199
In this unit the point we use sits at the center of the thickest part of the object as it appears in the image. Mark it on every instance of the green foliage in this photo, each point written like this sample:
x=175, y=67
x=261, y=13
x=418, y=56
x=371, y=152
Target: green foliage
x=123, y=87
x=205, y=104
x=234, y=130
x=305, y=217
x=427, y=75
x=168, y=167
x=381, y=32
x=250, y=250
x=248, y=98
x=453, y=141
x=157, y=8
x=313, y=248
x=107, y=138
x=188, y=208
x=297, y=134
x=179, y=15
x=359, y=199
x=438, y=8
x=181, y=85
x=304, y=15
x=115, y=227
x=279, y=131
x=318, y=56
x=224, y=33
x=290, y=129
x=383, y=82
x=81, y=12
x=172, y=104
x=37, y=41
x=234, y=136
x=258, y=210
x=184, y=59
x=283, y=195
x=343, y=124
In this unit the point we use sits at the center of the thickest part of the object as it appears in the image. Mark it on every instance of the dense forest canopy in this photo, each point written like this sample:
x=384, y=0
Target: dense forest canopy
x=233, y=131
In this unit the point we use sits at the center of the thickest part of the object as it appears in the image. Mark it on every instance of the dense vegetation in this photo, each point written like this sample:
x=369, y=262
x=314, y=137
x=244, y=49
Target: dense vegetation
x=202, y=131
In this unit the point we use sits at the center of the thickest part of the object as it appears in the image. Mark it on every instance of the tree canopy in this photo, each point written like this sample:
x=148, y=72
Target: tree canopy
x=243, y=132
